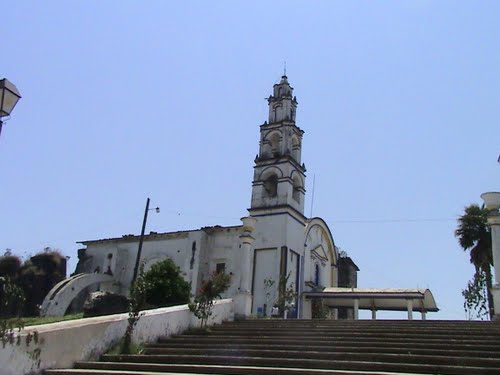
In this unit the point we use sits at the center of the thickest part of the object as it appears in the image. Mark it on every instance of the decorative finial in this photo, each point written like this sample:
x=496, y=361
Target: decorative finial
x=284, y=68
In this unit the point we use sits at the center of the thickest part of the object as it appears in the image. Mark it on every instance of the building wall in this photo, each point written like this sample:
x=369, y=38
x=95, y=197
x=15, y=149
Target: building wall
x=279, y=249
x=276, y=236
x=223, y=245
x=119, y=257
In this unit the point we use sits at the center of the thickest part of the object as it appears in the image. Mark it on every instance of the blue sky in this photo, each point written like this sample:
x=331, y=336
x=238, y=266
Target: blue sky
x=399, y=101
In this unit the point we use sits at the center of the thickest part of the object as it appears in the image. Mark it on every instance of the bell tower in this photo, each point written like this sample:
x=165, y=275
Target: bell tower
x=279, y=177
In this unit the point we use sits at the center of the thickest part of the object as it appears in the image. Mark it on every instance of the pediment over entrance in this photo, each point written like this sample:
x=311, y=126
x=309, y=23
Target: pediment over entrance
x=320, y=254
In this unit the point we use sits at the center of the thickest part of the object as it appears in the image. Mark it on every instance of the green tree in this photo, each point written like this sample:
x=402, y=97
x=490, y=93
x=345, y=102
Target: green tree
x=36, y=276
x=474, y=236
x=164, y=285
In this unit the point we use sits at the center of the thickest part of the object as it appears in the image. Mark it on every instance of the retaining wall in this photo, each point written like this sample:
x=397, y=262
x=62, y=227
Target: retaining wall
x=63, y=343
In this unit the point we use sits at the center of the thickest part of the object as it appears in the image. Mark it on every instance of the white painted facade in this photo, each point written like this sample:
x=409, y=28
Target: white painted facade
x=280, y=242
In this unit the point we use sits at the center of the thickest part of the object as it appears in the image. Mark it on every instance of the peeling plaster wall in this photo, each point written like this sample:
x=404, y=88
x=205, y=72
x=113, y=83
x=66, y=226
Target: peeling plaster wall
x=178, y=247
x=224, y=247
x=64, y=343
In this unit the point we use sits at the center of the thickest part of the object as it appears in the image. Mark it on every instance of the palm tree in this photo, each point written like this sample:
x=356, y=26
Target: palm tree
x=474, y=235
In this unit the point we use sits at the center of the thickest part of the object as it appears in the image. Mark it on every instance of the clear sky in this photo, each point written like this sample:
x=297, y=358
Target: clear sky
x=399, y=101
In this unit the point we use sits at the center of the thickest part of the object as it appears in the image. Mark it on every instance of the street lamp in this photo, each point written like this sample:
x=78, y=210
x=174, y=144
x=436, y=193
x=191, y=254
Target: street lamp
x=9, y=95
x=141, y=239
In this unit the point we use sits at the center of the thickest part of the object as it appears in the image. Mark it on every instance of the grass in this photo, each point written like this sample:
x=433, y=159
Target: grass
x=36, y=320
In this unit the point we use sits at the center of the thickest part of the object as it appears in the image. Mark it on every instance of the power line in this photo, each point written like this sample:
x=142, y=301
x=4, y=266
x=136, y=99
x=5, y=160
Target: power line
x=338, y=221
x=402, y=220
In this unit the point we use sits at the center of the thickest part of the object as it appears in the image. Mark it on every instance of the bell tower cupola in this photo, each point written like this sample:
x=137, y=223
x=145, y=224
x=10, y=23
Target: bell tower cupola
x=279, y=176
x=282, y=103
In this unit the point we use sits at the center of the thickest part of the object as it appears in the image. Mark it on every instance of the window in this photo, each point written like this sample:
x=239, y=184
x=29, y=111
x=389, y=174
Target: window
x=296, y=189
x=275, y=142
x=316, y=274
x=296, y=149
x=271, y=185
x=220, y=268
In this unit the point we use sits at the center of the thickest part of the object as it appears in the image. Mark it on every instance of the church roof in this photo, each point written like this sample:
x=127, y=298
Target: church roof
x=394, y=299
x=348, y=261
x=159, y=236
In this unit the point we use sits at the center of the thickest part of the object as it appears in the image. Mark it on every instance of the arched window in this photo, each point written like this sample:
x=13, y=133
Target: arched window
x=279, y=92
x=316, y=274
x=271, y=186
x=296, y=189
x=296, y=149
x=275, y=141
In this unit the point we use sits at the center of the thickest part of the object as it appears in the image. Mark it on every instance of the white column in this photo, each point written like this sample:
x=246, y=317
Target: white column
x=492, y=204
x=409, y=304
x=335, y=314
x=494, y=222
x=246, y=266
x=243, y=299
x=356, y=309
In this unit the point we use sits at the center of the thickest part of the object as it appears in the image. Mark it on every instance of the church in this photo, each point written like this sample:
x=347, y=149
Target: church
x=275, y=242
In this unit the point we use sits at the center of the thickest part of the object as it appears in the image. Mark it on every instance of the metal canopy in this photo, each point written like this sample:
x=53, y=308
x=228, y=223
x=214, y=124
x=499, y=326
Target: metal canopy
x=377, y=299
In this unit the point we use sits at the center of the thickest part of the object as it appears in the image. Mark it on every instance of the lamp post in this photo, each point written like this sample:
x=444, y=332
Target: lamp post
x=141, y=239
x=9, y=96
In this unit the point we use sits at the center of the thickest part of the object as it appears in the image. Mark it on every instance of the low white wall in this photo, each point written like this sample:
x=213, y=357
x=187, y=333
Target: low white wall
x=63, y=343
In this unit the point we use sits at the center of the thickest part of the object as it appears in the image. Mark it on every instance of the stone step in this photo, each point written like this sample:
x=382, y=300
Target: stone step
x=298, y=347
x=360, y=323
x=364, y=322
x=311, y=337
x=273, y=355
x=338, y=332
x=226, y=365
x=423, y=328
x=262, y=349
x=269, y=357
x=215, y=369
x=475, y=349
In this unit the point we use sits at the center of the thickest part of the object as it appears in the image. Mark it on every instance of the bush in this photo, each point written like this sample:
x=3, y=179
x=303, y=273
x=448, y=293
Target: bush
x=164, y=285
x=9, y=265
x=50, y=263
x=210, y=290
x=103, y=303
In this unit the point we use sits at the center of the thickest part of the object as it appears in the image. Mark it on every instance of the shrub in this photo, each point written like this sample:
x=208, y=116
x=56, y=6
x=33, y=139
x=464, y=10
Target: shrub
x=210, y=290
x=104, y=303
x=164, y=285
x=9, y=265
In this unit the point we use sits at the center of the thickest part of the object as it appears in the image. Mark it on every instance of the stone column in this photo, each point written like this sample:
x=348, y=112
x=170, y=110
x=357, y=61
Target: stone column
x=492, y=204
x=356, y=309
x=409, y=304
x=374, y=314
x=243, y=299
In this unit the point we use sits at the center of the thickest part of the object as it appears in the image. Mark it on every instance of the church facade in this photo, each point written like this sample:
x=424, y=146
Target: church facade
x=276, y=241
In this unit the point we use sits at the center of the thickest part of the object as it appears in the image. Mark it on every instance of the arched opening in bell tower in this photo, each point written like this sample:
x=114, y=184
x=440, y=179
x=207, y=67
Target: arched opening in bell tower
x=297, y=185
x=296, y=149
x=271, y=186
x=275, y=141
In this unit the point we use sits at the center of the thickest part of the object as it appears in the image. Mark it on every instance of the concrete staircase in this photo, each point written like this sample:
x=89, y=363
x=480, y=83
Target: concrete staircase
x=316, y=347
